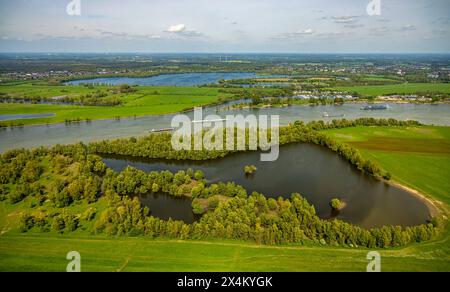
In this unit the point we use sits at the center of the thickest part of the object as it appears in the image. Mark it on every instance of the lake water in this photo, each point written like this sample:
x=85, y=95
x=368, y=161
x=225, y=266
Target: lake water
x=164, y=206
x=313, y=171
x=184, y=79
x=24, y=116
x=45, y=135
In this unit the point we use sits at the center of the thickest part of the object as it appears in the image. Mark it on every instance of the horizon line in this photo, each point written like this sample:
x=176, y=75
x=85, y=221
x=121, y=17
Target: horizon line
x=229, y=53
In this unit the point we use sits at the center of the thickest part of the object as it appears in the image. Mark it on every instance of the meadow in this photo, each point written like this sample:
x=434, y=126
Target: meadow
x=45, y=252
x=144, y=101
x=417, y=157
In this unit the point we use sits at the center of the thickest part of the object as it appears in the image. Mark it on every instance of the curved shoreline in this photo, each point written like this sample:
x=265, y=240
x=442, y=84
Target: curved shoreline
x=432, y=204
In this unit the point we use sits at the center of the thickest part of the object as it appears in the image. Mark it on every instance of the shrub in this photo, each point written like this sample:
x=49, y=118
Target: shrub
x=250, y=169
x=198, y=207
x=89, y=214
x=336, y=204
x=3, y=193
x=213, y=202
x=65, y=221
x=26, y=222
x=61, y=199
x=19, y=193
x=199, y=175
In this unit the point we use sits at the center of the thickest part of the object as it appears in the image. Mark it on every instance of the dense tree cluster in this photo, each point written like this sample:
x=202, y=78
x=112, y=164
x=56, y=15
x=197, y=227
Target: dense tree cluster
x=152, y=146
x=344, y=123
x=66, y=176
x=100, y=97
x=255, y=218
x=159, y=145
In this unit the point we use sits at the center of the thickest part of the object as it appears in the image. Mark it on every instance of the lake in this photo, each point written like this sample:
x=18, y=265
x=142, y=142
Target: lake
x=164, y=206
x=315, y=172
x=182, y=79
x=46, y=135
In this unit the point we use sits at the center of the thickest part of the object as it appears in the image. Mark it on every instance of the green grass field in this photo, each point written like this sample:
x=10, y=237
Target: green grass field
x=421, y=163
x=145, y=101
x=404, y=88
x=417, y=157
x=34, y=251
x=44, y=252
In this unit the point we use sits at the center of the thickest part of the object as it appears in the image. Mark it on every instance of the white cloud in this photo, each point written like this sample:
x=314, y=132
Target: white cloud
x=181, y=31
x=306, y=31
x=177, y=28
x=345, y=19
x=294, y=35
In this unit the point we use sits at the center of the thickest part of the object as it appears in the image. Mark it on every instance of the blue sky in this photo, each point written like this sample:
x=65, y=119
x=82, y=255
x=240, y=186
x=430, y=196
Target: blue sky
x=294, y=26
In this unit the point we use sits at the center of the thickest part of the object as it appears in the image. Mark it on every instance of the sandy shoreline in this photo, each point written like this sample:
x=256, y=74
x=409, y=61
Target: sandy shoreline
x=432, y=205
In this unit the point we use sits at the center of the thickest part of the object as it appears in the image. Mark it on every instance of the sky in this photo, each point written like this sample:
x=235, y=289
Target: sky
x=232, y=26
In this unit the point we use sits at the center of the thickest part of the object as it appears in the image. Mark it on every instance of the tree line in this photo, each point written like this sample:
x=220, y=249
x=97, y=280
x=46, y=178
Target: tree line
x=159, y=145
x=229, y=212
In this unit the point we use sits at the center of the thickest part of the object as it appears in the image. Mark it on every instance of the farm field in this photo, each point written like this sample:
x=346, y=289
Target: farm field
x=144, y=101
x=417, y=157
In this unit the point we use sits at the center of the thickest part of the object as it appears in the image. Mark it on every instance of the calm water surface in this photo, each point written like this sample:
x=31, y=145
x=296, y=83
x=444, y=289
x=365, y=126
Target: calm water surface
x=185, y=79
x=24, y=116
x=164, y=206
x=46, y=135
x=313, y=171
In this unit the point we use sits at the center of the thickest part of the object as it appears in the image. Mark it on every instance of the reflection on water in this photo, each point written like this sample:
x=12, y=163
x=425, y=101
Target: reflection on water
x=184, y=79
x=165, y=206
x=24, y=116
x=316, y=173
x=43, y=135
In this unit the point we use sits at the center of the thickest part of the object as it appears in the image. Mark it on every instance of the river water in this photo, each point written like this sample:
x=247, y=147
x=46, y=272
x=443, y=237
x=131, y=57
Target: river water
x=45, y=135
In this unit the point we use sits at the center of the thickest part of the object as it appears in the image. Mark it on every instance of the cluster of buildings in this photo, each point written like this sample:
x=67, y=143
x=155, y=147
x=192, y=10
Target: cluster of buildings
x=406, y=97
x=306, y=95
x=58, y=74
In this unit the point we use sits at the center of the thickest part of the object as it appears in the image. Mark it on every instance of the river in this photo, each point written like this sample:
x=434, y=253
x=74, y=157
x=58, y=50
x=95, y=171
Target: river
x=46, y=135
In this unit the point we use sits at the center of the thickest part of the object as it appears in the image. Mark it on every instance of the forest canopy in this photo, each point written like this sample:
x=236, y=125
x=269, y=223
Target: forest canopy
x=62, y=176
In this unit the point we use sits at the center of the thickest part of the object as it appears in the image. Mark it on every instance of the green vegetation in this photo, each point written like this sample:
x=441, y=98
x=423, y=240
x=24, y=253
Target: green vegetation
x=47, y=252
x=250, y=169
x=159, y=146
x=417, y=157
x=404, y=88
x=336, y=204
x=115, y=102
x=50, y=181
x=68, y=190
